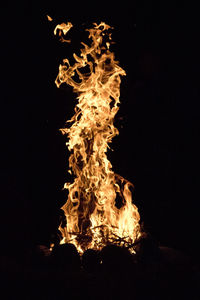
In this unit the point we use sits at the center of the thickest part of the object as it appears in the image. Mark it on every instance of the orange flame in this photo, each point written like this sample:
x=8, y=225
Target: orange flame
x=92, y=217
x=63, y=28
x=49, y=18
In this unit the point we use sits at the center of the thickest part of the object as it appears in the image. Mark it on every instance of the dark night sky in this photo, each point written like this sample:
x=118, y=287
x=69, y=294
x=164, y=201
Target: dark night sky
x=158, y=145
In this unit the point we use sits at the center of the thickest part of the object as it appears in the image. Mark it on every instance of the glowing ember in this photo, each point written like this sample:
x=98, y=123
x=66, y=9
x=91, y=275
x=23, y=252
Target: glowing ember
x=92, y=218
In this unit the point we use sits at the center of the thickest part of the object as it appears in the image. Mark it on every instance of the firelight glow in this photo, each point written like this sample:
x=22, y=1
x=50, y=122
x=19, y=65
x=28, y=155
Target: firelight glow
x=92, y=218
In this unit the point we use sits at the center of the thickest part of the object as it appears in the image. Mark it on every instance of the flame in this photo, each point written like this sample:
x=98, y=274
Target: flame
x=49, y=18
x=92, y=217
x=63, y=28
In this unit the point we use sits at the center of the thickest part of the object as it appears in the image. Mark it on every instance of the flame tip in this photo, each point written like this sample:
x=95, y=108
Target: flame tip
x=49, y=18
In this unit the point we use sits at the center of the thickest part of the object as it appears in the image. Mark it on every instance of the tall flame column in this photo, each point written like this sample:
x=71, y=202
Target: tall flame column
x=91, y=214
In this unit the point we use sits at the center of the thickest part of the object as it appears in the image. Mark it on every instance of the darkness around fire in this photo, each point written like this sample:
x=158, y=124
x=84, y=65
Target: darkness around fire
x=157, y=148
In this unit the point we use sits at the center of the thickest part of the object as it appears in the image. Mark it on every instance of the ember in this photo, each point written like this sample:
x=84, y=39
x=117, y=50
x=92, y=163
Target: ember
x=93, y=219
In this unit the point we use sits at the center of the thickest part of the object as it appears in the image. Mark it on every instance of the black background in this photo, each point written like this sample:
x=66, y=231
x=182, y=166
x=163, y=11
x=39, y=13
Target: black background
x=158, y=145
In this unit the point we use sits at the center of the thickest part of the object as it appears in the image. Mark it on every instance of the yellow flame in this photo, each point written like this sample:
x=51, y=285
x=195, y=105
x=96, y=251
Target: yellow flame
x=93, y=219
x=63, y=28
